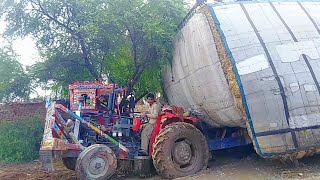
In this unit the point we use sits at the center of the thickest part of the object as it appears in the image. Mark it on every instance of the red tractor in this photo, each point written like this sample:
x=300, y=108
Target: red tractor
x=179, y=145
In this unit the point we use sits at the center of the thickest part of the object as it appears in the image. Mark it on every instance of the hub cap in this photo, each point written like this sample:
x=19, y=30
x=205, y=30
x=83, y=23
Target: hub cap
x=98, y=165
x=182, y=153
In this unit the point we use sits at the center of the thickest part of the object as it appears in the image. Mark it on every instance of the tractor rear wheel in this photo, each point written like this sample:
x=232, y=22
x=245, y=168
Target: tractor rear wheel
x=180, y=150
x=70, y=162
x=96, y=162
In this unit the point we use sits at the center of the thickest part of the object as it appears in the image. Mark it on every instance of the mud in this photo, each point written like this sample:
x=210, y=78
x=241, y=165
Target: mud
x=235, y=164
x=33, y=171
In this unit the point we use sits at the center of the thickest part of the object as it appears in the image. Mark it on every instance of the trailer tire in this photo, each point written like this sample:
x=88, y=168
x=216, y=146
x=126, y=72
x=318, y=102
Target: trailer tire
x=96, y=162
x=70, y=162
x=180, y=150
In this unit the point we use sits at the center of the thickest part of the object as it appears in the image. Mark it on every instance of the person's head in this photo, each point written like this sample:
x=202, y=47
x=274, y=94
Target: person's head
x=150, y=98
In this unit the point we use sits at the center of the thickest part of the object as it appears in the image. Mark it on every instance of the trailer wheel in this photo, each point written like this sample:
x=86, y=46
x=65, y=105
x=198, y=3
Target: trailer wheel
x=96, y=162
x=70, y=162
x=180, y=150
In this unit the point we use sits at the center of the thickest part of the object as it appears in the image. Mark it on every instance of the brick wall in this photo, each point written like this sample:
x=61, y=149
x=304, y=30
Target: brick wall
x=20, y=111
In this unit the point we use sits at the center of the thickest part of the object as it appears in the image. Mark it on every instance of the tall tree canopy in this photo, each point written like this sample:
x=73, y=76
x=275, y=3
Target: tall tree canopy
x=128, y=40
x=14, y=83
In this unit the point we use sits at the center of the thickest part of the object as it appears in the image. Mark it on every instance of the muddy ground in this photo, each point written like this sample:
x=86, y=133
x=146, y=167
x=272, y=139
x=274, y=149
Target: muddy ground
x=233, y=164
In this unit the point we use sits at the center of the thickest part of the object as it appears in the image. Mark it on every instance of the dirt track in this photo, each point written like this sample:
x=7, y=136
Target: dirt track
x=252, y=167
x=226, y=165
x=33, y=171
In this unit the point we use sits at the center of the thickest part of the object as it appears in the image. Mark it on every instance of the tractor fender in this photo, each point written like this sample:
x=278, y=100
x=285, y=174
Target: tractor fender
x=164, y=120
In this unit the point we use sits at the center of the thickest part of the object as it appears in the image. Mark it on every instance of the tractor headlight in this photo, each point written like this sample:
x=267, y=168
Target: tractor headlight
x=114, y=134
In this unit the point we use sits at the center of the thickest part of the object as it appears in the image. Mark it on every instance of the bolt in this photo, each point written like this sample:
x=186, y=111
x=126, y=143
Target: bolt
x=98, y=165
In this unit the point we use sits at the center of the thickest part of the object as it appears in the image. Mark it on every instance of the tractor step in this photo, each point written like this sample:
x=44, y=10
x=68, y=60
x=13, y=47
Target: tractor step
x=143, y=166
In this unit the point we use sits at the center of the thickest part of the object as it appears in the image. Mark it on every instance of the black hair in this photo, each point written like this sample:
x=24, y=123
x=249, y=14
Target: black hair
x=150, y=95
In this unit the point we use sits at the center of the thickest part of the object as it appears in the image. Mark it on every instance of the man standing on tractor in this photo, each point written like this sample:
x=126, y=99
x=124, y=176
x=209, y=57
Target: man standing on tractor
x=154, y=110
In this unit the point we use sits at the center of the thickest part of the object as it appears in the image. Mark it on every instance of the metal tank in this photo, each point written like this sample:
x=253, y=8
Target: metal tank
x=253, y=64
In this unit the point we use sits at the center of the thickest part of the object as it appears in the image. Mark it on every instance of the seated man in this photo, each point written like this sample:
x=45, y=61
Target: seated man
x=154, y=110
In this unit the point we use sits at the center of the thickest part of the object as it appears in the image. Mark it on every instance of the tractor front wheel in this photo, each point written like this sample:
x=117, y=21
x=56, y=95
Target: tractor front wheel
x=70, y=162
x=96, y=162
x=180, y=150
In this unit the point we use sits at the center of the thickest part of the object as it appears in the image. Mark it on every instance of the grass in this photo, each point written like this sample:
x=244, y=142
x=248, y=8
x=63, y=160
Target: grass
x=20, y=140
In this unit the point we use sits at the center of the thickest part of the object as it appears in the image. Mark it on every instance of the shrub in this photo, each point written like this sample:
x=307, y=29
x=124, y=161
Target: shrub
x=20, y=140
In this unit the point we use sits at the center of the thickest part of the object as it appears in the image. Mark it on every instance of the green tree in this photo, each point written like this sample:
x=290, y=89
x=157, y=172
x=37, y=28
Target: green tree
x=149, y=31
x=129, y=40
x=14, y=82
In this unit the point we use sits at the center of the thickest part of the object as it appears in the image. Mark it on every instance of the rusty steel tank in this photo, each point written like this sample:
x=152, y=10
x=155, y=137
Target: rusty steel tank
x=253, y=64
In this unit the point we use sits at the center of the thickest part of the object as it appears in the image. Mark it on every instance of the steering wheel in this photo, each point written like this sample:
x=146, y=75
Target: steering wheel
x=144, y=120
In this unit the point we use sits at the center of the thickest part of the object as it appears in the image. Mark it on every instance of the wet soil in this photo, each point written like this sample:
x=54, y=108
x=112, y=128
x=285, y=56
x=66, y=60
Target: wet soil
x=236, y=164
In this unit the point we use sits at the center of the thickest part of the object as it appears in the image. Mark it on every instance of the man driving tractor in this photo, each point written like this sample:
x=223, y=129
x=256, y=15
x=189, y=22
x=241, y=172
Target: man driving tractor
x=154, y=110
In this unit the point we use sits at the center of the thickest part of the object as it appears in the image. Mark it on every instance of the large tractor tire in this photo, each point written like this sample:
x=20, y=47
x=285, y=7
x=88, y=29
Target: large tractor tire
x=70, y=162
x=96, y=162
x=180, y=150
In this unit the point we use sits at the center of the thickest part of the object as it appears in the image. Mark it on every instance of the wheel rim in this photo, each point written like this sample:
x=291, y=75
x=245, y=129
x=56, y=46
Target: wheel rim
x=98, y=165
x=182, y=153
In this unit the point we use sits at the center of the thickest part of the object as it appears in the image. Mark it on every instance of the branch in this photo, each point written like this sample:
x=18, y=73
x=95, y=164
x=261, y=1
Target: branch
x=134, y=45
x=85, y=52
x=43, y=11
x=86, y=56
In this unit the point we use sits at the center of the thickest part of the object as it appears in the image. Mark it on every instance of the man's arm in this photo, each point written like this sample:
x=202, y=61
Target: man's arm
x=154, y=112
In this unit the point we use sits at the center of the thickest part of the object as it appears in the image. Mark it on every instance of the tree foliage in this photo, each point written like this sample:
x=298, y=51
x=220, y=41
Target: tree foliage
x=129, y=40
x=14, y=83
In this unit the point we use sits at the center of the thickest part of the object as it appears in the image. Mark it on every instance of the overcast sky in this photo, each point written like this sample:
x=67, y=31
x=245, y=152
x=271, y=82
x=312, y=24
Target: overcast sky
x=25, y=48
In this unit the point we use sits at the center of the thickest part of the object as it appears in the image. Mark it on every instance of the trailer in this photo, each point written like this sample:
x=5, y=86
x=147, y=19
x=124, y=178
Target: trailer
x=253, y=64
